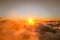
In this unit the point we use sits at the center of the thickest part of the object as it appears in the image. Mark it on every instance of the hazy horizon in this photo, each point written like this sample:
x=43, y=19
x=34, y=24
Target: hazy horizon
x=33, y=9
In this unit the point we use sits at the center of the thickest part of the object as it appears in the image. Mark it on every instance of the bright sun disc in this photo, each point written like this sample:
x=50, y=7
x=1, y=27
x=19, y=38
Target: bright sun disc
x=31, y=21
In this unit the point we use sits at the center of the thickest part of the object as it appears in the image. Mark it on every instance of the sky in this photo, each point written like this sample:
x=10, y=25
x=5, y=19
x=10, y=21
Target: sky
x=34, y=9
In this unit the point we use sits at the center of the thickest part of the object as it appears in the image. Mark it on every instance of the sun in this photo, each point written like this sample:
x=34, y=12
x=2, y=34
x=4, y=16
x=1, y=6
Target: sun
x=31, y=21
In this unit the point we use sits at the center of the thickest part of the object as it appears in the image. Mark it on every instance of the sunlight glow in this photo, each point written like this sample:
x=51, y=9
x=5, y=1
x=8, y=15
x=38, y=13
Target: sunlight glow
x=31, y=21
